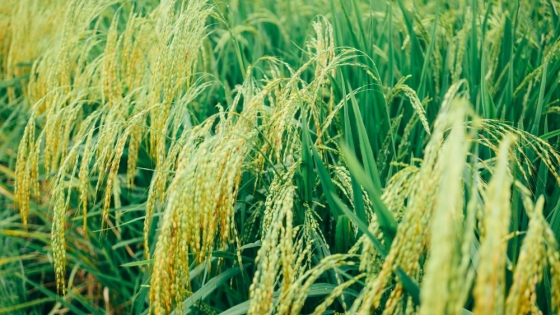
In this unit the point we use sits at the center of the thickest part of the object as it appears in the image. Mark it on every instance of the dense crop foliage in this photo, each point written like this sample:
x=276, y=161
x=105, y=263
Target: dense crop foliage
x=279, y=157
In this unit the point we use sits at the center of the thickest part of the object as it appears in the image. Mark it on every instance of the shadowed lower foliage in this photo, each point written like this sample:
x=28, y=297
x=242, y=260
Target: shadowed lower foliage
x=279, y=157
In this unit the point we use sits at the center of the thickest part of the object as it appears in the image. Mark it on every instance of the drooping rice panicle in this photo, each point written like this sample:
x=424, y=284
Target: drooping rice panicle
x=266, y=157
x=490, y=280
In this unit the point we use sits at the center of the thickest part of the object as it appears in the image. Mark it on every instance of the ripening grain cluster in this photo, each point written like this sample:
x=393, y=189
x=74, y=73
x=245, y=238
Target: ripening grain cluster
x=279, y=157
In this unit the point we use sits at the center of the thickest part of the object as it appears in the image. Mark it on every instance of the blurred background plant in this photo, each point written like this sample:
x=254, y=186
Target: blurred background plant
x=325, y=156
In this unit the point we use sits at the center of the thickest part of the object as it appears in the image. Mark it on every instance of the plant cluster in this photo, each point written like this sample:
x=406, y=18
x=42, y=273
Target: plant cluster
x=279, y=157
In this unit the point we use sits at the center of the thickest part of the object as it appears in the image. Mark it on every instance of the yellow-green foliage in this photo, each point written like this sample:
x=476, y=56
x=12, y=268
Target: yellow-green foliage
x=290, y=164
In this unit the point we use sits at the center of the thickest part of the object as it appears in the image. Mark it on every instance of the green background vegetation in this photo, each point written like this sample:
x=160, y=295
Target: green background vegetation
x=408, y=141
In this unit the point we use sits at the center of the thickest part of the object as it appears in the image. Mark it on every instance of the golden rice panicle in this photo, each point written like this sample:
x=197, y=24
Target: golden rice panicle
x=6, y=12
x=134, y=145
x=112, y=89
x=490, y=281
x=279, y=245
x=292, y=300
x=445, y=225
x=546, y=152
x=286, y=98
x=404, y=145
x=24, y=179
x=83, y=177
x=323, y=44
x=106, y=140
x=522, y=297
x=394, y=195
x=290, y=96
x=551, y=55
x=401, y=87
x=276, y=255
x=461, y=46
x=422, y=201
x=496, y=131
x=197, y=217
x=60, y=203
x=177, y=158
x=58, y=240
x=59, y=104
x=398, y=188
x=61, y=107
x=120, y=122
x=112, y=175
x=336, y=293
x=464, y=275
x=553, y=258
x=179, y=36
x=65, y=83
x=412, y=236
x=286, y=251
x=31, y=28
x=494, y=33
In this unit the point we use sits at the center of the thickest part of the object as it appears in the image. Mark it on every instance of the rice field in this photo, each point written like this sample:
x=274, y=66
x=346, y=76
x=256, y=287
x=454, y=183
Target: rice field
x=279, y=157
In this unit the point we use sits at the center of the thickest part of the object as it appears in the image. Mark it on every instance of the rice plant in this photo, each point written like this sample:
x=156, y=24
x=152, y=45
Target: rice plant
x=279, y=157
